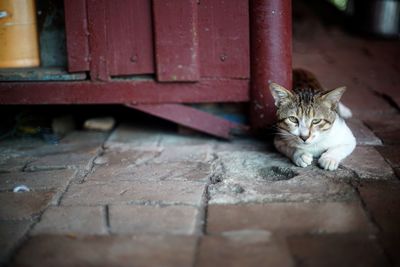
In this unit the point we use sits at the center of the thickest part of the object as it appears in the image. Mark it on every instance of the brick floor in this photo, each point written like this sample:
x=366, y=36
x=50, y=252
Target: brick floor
x=131, y=219
x=72, y=220
x=368, y=164
x=383, y=202
x=17, y=206
x=391, y=154
x=289, y=218
x=337, y=250
x=11, y=234
x=225, y=251
x=166, y=192
x=44, y=180
x=138, y=250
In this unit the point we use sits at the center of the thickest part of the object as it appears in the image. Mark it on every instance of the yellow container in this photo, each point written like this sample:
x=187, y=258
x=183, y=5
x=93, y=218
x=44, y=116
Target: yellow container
x=19, y=46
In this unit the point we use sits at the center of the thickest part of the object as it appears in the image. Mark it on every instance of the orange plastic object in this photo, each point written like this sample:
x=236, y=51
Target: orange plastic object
x=19, y=45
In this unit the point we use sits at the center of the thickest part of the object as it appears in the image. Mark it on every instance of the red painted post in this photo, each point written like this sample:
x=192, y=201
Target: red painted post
x=271, y=55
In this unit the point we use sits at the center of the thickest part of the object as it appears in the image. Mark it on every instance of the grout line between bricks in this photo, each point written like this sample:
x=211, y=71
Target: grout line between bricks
x=107, y=218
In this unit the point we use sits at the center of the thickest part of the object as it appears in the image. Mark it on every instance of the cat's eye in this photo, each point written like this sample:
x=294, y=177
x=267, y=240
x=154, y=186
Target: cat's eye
x=316, y=121
x=293, y=119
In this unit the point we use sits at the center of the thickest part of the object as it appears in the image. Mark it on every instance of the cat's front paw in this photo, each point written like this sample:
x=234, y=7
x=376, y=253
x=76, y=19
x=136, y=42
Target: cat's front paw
x=302, y=159
x=328, y=163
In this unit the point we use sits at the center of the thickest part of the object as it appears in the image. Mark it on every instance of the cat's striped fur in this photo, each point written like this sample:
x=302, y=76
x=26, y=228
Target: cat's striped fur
x=310, y=122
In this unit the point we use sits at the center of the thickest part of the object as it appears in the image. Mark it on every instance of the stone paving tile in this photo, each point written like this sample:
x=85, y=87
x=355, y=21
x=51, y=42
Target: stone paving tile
x=332, y=250
x=300, y=188
x=138, y=250
x=390, y=138
x=18, y=206
x=125, y=135
x=383, y=202
x=14, y=164
x=255, y=176
x=124, y=157
x=364, y=136
x=391, y=155
x=391, y=244
x=11, y=233
x=164, y=192
x=289, y=218
x=72, y=220
x=246, y=250
x=384, y=123
x=45, y=180
x=81, y=159
x=368, y=164
x=131, y=219
x=194, y=153
x=169, y=171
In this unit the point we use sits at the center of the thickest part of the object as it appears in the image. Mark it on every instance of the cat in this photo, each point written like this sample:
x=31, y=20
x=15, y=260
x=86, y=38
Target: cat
x=310, y=122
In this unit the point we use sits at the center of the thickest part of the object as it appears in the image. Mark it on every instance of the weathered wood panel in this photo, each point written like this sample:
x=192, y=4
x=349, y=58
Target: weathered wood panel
x=117, y=92
x=77, y=35
x=129, y=37
x=176, y=40
x=96, y=10
x=224, y=38
x=192, y=118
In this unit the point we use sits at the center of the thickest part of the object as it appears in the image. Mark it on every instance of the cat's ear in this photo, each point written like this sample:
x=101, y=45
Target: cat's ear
x=280, y=94
x=332, y=97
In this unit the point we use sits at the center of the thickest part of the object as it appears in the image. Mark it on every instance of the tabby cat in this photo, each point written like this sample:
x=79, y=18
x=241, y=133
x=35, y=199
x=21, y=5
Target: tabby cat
x=310, y=122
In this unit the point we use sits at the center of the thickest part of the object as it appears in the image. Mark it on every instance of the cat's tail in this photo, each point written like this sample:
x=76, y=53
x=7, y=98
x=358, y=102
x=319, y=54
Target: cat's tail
x=344, y=111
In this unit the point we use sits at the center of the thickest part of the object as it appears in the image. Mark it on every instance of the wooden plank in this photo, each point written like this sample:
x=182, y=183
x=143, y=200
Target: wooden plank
x=176, y=40
x=77, y=35
x=192, y=118
x=129, y=37
x=224, y=38
x=271, y=48
x=97, y=40
x=116, y=92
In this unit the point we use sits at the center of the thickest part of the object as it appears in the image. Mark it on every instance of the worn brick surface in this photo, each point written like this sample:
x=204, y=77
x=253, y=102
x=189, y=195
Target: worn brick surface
x=186, y=171
x=14, y=164
x=133, y=219
x=17, y=206
x=391, y=154
x=80, y=158
x=138, y=250
x=194, y=153
x=72, y=220
x=289, y=218
x=123, y=157
x=11, y=233
x=125, y=135
x=245, y=251
x=383, y=202
x=266, y=176
x=368, y=163
x=391, y=244
x=337, y=250
x=169, y=192
x=364, y=136
x=44, y=180
x=384, y=123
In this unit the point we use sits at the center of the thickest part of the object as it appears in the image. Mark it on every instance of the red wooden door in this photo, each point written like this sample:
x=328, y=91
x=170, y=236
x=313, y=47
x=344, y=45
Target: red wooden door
x=175, y=40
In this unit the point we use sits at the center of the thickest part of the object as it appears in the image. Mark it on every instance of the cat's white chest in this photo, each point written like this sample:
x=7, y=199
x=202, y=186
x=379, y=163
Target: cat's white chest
x=338, y=135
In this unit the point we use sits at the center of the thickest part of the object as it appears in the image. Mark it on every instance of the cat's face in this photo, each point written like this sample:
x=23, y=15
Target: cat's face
x=305, y=115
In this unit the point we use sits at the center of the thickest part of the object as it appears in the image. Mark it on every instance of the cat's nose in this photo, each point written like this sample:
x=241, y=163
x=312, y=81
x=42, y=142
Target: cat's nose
x=304, y=137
